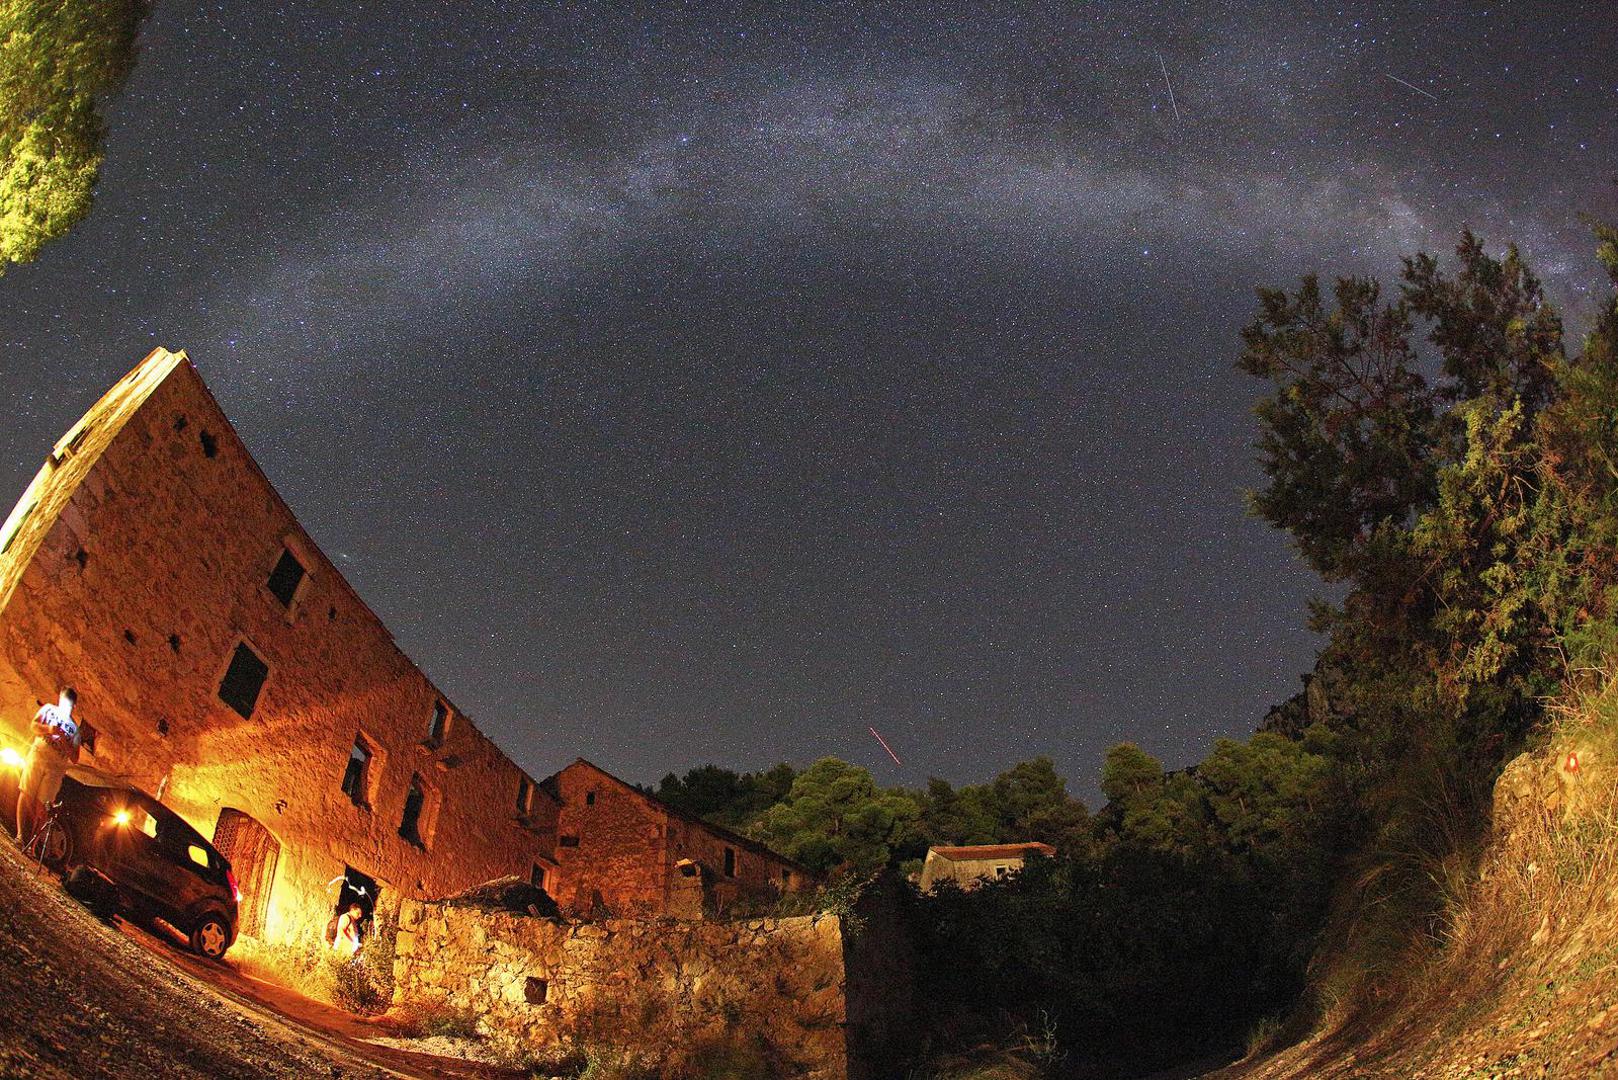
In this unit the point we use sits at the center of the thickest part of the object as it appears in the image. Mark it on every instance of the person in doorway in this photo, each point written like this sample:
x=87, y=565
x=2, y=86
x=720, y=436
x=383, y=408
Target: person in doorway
x=55, y=747
x=350, y=931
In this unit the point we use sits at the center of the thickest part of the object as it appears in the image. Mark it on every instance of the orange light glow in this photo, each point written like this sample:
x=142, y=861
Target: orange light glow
x=1572, y=763
x=120, y=817
x=10, y=758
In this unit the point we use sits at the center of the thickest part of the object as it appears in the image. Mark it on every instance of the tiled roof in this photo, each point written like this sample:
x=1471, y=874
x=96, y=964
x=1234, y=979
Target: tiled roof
x=991, y=851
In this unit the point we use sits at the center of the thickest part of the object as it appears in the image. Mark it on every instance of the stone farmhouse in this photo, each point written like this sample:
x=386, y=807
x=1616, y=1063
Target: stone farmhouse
x=620, y=850
x=224, y=665
x=972, y=865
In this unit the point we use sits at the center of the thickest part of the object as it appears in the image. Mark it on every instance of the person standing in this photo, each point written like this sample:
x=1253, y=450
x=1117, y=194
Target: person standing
x=55, y=747
x=350, y=931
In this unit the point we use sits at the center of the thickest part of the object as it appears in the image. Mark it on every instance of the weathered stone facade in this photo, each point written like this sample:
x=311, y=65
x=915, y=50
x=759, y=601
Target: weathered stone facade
x=145, y=566
x=661, y=989
x=622, y=852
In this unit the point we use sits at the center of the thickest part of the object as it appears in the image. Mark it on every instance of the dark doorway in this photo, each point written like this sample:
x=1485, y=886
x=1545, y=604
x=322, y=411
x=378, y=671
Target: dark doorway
x=358, y=888
x=253, y=853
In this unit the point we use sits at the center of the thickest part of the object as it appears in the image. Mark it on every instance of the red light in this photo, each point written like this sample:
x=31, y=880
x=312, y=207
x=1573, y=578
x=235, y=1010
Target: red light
x=235, y=890
x=1572, y=764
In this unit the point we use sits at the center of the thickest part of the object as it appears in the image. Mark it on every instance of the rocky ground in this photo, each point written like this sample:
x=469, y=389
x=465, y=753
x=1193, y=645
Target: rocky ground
x=84, y=999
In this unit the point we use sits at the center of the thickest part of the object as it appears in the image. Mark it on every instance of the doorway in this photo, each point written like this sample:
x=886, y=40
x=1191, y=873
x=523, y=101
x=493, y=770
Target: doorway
x=253, y=853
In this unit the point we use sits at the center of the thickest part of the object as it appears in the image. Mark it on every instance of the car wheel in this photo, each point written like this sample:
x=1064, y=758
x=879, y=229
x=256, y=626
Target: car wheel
x=211, y=935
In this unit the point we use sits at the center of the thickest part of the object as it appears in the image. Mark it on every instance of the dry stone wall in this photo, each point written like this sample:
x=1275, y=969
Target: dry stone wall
x=661, y=989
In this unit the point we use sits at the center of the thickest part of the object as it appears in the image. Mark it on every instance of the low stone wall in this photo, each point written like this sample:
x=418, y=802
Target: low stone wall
x=669, y=992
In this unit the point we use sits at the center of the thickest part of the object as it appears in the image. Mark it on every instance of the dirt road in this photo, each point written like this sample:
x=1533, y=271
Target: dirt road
x=81, y=999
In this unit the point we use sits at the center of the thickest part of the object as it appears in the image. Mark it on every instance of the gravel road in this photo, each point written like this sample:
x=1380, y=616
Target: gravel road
x=80, y=999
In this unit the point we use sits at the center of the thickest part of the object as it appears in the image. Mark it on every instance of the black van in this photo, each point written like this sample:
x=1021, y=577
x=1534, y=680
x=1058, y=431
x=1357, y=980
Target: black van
x=119, y=843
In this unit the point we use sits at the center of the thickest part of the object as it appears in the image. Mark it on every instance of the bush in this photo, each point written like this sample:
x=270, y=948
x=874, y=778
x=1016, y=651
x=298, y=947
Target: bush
x=352, y=986
x=435, y=1020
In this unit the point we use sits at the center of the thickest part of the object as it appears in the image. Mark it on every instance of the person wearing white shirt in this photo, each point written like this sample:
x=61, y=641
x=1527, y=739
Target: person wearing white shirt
x=55, y=747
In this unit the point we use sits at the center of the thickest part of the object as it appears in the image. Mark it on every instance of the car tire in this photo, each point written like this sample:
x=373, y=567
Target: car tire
x=92, y=890
x=210, y=935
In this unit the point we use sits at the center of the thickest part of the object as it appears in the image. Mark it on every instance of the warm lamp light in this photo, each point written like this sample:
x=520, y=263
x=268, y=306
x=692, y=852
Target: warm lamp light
x=10, y=758
x=120, y=817
x=1572, y=762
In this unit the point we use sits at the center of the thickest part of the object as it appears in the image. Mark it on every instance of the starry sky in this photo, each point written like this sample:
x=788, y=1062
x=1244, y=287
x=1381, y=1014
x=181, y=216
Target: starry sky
x=690, y=383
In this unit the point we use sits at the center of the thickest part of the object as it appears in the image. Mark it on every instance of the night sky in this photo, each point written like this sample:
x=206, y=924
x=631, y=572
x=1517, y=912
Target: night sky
x=707, y=384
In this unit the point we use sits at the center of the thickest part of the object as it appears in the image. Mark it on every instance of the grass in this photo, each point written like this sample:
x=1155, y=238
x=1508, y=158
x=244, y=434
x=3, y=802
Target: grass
x=437, y=1020
x=1528, y=933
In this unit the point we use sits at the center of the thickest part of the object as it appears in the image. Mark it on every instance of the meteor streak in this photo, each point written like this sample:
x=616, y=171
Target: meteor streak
x=885, y=746
x=1170, y=84
x=1412, y=86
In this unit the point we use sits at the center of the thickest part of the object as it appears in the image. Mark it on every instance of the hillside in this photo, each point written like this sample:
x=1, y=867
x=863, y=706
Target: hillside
x=1522, y=976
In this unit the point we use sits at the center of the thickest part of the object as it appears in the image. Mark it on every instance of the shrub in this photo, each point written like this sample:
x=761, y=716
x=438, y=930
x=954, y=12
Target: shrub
x=352, y=986
x=429, y=1020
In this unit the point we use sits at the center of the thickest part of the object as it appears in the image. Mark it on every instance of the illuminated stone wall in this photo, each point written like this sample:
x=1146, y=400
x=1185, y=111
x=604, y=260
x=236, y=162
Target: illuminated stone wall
x=135, y=566
x=619, y=849
x=666, y=991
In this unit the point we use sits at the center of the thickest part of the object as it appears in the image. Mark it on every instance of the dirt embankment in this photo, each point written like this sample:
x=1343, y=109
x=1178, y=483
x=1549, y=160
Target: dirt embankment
x=1523, y=981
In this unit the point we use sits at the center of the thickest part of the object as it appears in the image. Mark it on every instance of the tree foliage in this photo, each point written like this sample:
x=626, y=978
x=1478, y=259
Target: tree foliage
x=59, y=59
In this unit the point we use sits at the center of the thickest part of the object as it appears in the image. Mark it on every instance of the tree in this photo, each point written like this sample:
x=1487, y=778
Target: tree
x=836, y=818
x=58, y=60
x=724, y=796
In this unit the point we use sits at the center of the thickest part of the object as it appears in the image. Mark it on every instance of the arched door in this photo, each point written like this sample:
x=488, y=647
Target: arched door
x=253, y=853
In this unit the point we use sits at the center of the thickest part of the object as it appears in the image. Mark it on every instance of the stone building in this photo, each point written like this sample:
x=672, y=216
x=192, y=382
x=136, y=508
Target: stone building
x=621, y=851
x=970, y=866
x=226, y=666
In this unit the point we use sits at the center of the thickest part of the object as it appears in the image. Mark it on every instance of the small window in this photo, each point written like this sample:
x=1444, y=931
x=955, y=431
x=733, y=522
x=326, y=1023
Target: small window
x=355, y=778
x=786, y=876
x=197, y=854
x=537, y=878
x=535, y=991
x=1001, y=871
x=210, y=445
x=410, y=824
x=568, y=841
x=589, y=798
x=243, y=681
x=730, y=862
x=439, y=724
x=285, y=578
x=525, y=795
x=144, y=821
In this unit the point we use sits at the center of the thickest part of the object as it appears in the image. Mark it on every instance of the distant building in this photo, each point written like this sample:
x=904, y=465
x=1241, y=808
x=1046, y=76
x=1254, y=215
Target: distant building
x=970, y=866
x=623, y=851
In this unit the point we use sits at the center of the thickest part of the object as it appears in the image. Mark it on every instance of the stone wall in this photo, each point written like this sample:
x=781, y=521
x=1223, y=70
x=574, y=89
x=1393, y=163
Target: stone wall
x=136, y=564
x=667, y=991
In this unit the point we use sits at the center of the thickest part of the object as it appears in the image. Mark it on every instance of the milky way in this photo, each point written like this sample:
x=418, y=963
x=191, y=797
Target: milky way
x=713, y=385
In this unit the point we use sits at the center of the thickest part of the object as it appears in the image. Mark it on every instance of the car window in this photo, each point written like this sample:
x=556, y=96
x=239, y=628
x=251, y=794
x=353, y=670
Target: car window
x=143, y=821
x=197, y=855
